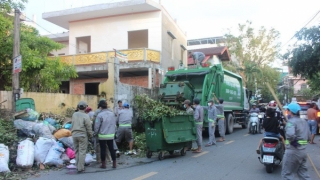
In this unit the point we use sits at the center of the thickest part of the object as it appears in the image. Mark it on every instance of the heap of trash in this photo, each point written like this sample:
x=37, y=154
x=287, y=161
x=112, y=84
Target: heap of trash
x=45, y=141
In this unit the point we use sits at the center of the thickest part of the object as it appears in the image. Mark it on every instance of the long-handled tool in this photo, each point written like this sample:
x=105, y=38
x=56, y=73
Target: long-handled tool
x=277, y=100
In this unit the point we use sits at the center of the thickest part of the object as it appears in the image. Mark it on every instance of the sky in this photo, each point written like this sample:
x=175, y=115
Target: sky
x=207, y=18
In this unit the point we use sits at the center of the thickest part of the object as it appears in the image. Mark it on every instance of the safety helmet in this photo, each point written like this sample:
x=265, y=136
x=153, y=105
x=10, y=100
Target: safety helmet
x=126, y=105
x=254, y=104
x=272, y=104
x=82, y=104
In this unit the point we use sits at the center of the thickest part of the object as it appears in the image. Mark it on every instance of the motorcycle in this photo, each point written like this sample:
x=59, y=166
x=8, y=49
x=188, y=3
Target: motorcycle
x=253, y=123
x=261, y=117
x=271, y=152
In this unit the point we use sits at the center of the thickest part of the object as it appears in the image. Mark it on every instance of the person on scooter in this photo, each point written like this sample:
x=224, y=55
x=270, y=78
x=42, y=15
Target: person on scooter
x=270, y=125
x=254, y=109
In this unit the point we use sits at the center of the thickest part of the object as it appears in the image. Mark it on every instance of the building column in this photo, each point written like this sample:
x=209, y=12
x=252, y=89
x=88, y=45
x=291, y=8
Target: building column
x=150, y=74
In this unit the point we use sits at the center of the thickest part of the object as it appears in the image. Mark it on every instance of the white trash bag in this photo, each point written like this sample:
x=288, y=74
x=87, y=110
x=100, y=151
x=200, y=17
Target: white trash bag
x=25, y=154
x=54, y=155
x=4, y=158
x=89, y=159
x=42, y=148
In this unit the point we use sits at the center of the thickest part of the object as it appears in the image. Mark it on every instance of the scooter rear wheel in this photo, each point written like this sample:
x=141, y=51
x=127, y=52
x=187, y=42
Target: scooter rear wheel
x=269, y=168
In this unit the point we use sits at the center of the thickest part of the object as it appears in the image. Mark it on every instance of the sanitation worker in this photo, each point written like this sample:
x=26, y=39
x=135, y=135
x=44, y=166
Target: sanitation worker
x=105, y=129
x=198, y=118
x=81, y=132
x=189, y=110
x=125, y=130
x=212, y=117
x=298, y=134
x=220, y=119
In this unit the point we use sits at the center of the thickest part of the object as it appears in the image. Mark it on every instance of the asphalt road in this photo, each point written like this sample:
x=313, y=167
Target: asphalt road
x=233, y=159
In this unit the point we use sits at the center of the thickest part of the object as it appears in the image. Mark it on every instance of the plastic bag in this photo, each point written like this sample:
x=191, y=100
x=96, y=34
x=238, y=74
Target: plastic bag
x=42, y=148
x=31, y=115
x=54, y=154
x=4, y=158
x=51, y=121
x=65, y=158
x=25, y=154
x=67, y=141
x=24, y=127
x=44, y=129
x=62, y=133
x=88, y=159
x=70, y=153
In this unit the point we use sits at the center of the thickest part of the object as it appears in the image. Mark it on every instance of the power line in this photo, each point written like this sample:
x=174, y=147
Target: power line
x=301, y=29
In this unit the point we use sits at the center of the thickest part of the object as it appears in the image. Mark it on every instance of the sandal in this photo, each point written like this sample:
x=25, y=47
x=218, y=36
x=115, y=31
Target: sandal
x=197, y=151
x=220, y=140
x=312, y=142
x=194, y=149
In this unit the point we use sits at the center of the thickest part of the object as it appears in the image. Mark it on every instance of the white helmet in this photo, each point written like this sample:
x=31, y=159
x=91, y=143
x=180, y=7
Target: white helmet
x=272, y=104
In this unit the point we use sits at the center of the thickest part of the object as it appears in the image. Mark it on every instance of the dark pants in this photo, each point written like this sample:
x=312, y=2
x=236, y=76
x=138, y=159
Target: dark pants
x=103, y=149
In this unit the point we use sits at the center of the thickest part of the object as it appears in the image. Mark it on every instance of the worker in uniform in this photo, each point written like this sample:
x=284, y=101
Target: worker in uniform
x=104, y=129
x=297, y=134
x=81, y=133
x=125, y=130
x=189, y=110
x=212, y=117
x=198, y=118
x=220, y=119
x=96, y=140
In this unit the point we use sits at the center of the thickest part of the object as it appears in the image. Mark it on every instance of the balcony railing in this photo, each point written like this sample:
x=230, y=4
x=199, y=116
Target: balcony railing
x=101, y=57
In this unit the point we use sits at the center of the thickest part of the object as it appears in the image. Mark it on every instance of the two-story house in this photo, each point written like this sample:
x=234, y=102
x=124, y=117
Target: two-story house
x=141, y=29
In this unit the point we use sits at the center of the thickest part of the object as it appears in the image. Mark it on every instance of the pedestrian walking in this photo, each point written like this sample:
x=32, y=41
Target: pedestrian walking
x=125, y=130
x=105, y=129
x=198, y=118
x=81, y=133
x=312, y=121
x=212, y=117
x=220, y=119
x=298, y=134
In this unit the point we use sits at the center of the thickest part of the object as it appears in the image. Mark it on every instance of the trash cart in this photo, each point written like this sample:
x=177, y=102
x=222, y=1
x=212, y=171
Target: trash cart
x=170, y=134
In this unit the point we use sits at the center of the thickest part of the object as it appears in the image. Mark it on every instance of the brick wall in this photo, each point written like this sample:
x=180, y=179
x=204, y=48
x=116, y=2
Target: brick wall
x=135, y=81
x=77, y=85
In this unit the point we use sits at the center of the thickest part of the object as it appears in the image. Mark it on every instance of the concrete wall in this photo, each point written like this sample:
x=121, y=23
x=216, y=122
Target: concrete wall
x=64, y=50
x=50, y=102
x=171, y=56
x=112, y=32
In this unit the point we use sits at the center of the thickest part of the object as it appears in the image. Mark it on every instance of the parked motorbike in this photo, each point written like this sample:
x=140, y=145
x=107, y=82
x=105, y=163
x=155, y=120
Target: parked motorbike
x=272, y=152
x=253, y=123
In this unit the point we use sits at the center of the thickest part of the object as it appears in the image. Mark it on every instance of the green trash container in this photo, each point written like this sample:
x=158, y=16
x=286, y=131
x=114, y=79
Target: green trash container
x=25, y=103
x=170, y=134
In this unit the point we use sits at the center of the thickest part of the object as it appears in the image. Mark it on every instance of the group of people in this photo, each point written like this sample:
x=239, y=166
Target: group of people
x=215, y=116
x=101, y=127
x=297, y=135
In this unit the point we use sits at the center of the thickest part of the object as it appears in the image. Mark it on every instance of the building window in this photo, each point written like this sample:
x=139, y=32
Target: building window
x=303, y=86
x=138, y=39
x=83, y=44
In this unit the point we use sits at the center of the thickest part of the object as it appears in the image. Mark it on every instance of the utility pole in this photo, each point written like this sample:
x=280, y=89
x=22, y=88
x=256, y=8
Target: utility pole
x=16, y=53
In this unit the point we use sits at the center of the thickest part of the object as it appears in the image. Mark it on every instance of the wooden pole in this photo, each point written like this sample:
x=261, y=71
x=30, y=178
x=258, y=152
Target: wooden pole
x=276, y=98
x=16, y=52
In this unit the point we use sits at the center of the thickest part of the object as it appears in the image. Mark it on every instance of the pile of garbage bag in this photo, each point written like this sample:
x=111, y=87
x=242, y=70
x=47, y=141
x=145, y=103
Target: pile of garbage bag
x=44, y=142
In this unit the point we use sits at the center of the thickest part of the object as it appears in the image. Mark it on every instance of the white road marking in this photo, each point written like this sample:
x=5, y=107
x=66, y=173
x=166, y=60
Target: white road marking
x=145, y=176
x=229, y=142
x=200, y=154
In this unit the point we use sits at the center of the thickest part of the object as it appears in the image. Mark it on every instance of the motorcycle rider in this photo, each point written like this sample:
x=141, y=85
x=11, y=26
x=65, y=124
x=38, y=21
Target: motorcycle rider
x=298, y=135
x=270, y=125
x=279, y=116
x=254, y=109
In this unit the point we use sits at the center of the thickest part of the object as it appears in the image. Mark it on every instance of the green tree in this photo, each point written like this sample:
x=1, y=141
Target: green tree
x=39, y=73
x=8, y=5
x=253, y=51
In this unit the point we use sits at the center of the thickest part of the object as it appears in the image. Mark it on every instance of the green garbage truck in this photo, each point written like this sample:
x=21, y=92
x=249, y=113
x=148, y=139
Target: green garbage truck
x=204, y=82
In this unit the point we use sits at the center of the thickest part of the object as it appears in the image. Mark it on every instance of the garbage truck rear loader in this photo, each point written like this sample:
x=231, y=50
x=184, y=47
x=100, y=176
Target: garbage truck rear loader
x=202, y=82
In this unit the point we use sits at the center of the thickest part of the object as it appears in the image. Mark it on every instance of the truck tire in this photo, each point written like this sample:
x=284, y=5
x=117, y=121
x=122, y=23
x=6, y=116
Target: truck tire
x=229, y=123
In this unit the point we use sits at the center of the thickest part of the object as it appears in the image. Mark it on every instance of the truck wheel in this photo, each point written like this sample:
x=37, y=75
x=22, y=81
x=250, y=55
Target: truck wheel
x=229, y=122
